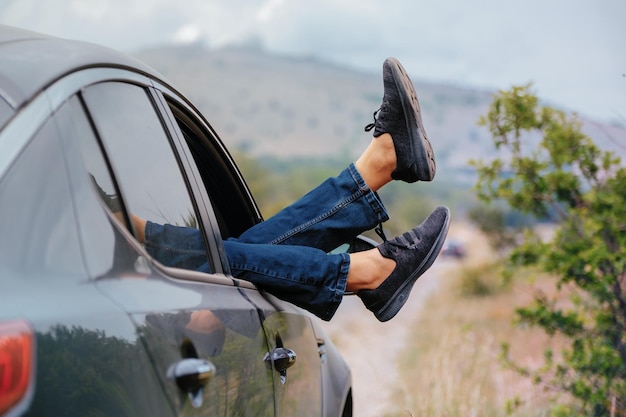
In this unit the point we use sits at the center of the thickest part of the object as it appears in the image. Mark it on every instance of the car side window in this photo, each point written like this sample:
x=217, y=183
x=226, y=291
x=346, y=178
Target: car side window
x=152, y=187
x=105, y=249
x=39, y=236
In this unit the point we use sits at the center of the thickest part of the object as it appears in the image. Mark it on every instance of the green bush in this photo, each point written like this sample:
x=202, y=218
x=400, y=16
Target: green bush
x=548, y=167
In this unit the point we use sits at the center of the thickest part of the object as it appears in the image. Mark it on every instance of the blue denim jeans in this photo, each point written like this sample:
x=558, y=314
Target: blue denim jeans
x=287, y=254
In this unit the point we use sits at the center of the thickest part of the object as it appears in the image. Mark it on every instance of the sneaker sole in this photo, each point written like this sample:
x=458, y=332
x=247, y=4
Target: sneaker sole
x=400, y=297
x=420, y=145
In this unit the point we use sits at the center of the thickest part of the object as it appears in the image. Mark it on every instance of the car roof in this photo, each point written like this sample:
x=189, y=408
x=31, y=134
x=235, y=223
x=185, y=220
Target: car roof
x=30, y=61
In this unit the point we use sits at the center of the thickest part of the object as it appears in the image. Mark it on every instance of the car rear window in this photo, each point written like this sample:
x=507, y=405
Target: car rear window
x=39, y=236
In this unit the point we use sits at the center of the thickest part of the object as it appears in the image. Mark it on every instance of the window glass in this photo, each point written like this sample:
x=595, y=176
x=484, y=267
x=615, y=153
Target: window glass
x=147, y=172
x=106, y=252
x=39, y=237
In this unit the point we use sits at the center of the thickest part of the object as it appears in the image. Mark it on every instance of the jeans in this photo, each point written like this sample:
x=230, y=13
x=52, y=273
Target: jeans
x=287, y=254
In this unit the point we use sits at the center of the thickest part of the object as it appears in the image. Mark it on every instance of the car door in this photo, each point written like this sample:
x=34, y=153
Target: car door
x=204, y=335
x=288, y=329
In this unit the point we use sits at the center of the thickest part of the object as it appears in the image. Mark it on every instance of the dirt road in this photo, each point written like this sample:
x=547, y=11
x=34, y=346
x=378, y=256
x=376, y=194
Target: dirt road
x=372, y=348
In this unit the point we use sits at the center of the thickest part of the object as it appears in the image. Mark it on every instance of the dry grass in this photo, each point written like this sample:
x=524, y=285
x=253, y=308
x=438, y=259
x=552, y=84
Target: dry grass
x=452, y=366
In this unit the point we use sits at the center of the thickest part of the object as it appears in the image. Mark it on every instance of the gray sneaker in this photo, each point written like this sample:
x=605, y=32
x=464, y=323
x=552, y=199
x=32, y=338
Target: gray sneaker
x=400, y=116
x=414, y=252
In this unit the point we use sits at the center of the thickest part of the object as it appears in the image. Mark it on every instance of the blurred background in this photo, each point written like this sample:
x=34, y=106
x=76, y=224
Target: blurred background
x=571, y=49
x=289, y=86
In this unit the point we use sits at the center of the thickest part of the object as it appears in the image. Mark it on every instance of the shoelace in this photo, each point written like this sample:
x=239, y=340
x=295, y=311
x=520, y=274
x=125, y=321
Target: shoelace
x=380, y=232
x=371, y=126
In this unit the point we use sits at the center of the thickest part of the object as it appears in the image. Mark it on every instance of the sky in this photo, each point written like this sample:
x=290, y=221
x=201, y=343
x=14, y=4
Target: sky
x=573, y=51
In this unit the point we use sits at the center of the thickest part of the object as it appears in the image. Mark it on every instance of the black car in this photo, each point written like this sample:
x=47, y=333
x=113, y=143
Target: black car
x=90, y=324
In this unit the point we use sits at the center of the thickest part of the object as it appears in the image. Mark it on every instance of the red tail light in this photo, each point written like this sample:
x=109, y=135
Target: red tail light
x=16, y=357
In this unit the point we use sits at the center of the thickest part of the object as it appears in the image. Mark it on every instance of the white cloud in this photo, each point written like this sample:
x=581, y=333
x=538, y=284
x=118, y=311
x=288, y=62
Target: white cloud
x=188, y=34
x=267, y=10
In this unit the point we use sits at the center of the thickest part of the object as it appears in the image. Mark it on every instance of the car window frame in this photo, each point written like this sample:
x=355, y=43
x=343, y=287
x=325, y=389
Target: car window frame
x=149, y=103
x=71, y=84
x=166, y=95
x=208, y=220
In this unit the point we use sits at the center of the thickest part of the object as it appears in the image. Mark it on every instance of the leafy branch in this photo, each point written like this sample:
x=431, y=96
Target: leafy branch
x=548, y=168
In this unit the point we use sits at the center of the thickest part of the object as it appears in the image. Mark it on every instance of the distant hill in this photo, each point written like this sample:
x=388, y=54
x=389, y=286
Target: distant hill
x=269, y=105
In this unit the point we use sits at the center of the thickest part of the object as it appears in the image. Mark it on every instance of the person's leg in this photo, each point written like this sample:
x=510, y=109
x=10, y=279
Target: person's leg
x=338, y=209
x=309, y=277
x=331, y=214
x=175, y=246
x=316, y=281
x=377, y=163
x=382, y=277
x=304, y=276
x=347, y=205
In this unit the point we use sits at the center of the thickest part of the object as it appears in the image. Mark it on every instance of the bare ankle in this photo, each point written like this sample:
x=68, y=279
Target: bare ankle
x=377, y=162
x=368, y=270
x=385, y=267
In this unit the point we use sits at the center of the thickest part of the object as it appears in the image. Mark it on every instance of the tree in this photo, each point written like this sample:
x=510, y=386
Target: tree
x=547, y=167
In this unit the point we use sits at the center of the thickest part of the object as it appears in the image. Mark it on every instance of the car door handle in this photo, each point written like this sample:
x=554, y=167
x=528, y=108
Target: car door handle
x=281, y=358
x=191, y=375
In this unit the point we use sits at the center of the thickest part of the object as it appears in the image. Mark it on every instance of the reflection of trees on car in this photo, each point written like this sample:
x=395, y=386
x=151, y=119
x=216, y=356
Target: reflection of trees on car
x=190, y=220
x=102, y=375
x=95, y=373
